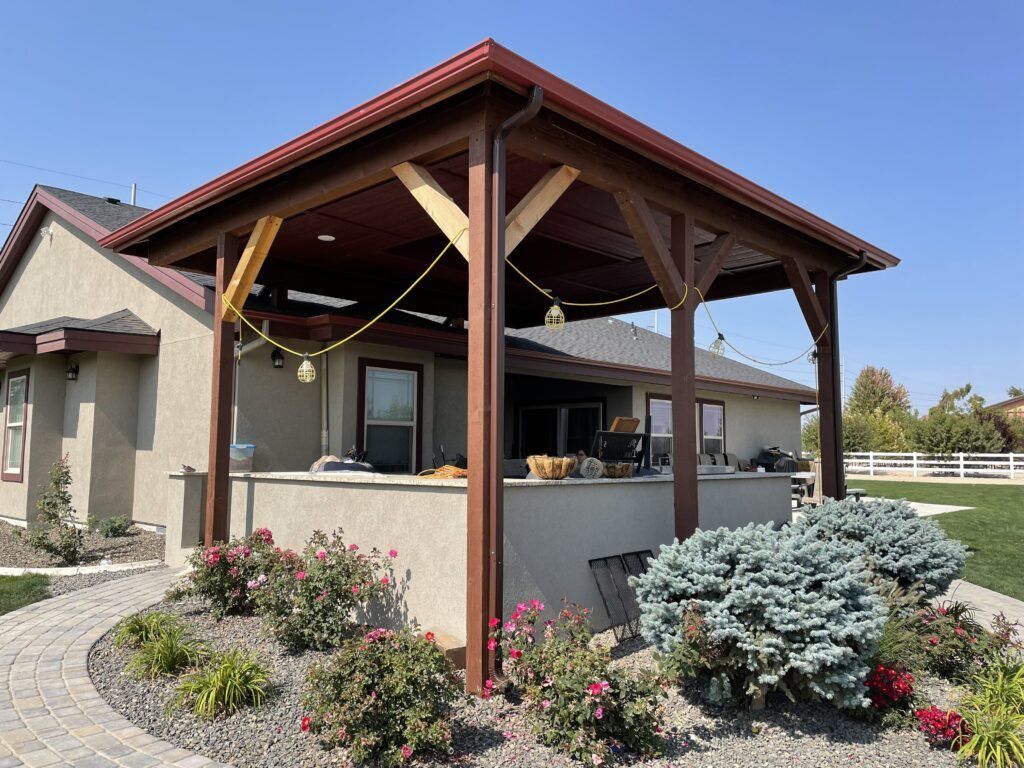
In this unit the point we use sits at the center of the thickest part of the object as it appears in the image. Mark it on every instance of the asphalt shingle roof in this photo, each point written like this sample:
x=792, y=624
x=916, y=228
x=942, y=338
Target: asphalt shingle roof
x=123, y=321
x=108, y=215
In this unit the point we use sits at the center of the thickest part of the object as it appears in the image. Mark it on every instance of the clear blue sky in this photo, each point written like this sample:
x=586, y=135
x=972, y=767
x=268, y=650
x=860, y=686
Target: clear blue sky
x=902, y=122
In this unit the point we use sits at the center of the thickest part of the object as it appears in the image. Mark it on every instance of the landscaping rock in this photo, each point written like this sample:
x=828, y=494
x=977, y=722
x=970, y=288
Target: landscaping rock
x=495, y=733
x=138, y=545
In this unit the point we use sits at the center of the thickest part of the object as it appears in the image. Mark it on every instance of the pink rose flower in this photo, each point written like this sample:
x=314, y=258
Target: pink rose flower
x=300, y=575
x=392, y=553
x=515, y=653
x=355, y=589
x=596, y=759
x=353, y=547
x=406, y=751
x=321, y=554
x=599, y=713
x=385, y=580
x=492, y=644
x=594, y=689
x=494, y=622
x=545, y=704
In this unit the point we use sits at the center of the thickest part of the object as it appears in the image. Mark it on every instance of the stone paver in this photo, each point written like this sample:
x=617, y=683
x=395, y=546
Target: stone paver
x=986, y=602
x=50, y=713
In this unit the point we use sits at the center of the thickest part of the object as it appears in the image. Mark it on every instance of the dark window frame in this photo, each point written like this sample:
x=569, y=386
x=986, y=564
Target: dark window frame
x=19, y=476
x=700, y=401
x=570, y=402
x=395, y=365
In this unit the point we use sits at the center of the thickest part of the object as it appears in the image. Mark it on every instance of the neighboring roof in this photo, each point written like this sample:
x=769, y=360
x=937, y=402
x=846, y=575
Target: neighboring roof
x=96, y=217
x=489, y=59
x=121, y=331
x=1013, y=402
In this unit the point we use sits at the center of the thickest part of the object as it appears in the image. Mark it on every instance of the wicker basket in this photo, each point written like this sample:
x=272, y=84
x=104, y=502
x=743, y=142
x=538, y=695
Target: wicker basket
x=618, y=469
x=551, y=467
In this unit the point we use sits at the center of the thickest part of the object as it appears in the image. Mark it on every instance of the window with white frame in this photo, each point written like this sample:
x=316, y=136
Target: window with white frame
x=14, y=432
x=390, y=415
x=711, y=427
x=660, y=410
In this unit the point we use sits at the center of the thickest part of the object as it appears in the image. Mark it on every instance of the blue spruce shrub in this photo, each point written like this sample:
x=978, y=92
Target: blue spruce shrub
x=891, y=540
x=777, y=611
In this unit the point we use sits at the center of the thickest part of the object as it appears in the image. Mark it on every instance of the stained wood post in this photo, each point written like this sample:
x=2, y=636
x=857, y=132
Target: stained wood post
x=484, y=400
x=830, y=402
x=684, y=386
x=215, y=523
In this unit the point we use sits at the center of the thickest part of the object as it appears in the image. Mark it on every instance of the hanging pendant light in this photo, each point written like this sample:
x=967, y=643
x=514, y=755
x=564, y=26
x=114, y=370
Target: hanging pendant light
x=555, y=317
x=812, y=358
x=717, y=347
x=306, y=370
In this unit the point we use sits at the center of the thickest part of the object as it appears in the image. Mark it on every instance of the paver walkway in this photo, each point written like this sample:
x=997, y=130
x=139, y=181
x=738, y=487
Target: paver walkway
x=986, y=602
x=50, y=712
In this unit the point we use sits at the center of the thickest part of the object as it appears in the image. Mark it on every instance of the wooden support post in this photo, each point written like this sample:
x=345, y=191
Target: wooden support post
x=484, y=396
x=215, y=524
x=437, y=203
x=830, y=396
x=535, y=203
x=684, y=385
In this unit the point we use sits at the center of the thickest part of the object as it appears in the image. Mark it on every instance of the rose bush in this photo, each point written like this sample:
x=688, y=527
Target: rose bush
x=385, y=697
x=577, y=702
x=308, y=598
x=224, y=574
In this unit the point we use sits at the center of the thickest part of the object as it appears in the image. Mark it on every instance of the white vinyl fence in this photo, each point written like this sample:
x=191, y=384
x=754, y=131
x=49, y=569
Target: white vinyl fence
x=1009, y=465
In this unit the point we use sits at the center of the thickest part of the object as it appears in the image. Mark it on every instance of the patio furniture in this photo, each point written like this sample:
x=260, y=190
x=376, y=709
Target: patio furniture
x=857, y=493
x=719, y=459
x=611, y=574
x=624, y=424
x=617, y=447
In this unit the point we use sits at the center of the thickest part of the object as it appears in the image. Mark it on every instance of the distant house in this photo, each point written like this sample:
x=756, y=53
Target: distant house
x=108, y=360
x=1012, y=408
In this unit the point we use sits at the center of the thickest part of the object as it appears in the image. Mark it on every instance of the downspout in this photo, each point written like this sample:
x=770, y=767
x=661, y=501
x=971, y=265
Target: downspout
x=497, y=527
x=325, y=437
x=242, y=349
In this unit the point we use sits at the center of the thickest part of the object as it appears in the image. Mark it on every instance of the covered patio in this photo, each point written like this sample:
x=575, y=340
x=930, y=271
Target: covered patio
x=539, y=187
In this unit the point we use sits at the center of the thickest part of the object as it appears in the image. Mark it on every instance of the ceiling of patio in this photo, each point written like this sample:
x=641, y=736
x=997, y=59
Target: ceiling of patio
x=581, y=250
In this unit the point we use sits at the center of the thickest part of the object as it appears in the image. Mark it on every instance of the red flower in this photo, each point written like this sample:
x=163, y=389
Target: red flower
x=494, y=622
x=430, y=637
x=942, y=727
x=933, y=640
x=353, y=547
x=492, y=644
x=304, y=725
x=300, y=575
x=515, y=653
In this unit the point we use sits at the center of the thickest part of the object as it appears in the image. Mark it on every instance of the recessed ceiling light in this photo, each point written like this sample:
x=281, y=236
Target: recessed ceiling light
x=326, y=238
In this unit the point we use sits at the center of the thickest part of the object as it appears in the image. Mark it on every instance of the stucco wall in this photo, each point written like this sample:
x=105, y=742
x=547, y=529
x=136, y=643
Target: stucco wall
x=68, y=275
x=115, y=426
x=749, y=424
x=77, y=437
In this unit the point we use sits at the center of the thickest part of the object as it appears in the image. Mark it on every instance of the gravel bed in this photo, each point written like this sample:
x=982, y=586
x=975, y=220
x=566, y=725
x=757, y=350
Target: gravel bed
x=494, y=733
x=61, y=585
x=138, y=545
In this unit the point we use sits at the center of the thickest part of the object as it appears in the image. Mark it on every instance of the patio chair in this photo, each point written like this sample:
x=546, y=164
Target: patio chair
x=705, y=459
x=719, y=459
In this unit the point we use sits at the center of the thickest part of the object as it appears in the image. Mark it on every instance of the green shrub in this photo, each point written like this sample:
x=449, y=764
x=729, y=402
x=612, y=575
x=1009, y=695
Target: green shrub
x=308, y=598
x=55, y=532
x=168, y=653
x=224, y=685
x=891, y=540
x=384, y=697
x=955, y=645
x=577, y=702
x=779, y=611
x=142, y=627
x=996, y=738
x=226, y=575
x=113, y=527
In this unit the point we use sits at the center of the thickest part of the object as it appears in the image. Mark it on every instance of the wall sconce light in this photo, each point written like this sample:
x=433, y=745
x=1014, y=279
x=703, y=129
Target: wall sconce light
x=71, y=374
x=277, y=358
x=555, y=317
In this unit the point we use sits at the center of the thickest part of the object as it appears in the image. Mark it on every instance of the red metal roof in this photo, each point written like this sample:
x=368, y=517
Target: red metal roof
x=488, y=57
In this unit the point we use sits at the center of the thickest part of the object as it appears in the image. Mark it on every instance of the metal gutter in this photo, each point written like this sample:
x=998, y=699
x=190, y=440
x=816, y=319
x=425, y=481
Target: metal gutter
x=490, y=58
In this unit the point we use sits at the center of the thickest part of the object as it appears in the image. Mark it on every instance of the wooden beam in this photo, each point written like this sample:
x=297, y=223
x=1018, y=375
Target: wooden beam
x=684, y=387
x=810, y=302
x=641, y=223
x=830, y=415
x=711, y=264
x=482, y=502
x=440, y=207
x=538, y=201
x=215, y=524
x=248, y=267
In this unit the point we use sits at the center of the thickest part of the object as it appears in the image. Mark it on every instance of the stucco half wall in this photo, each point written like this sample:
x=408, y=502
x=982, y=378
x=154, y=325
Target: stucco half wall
x=552, y=529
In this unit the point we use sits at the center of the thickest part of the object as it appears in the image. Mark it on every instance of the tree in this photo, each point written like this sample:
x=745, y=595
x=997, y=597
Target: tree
x=876, y=390
x=55, y=532
x=958, y=423
x=1015, y=392
x=810, y=438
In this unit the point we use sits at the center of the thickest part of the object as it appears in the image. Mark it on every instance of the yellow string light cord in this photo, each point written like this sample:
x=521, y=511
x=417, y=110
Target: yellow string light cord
x=355, y=333
x=746, y=356
x=547, y=294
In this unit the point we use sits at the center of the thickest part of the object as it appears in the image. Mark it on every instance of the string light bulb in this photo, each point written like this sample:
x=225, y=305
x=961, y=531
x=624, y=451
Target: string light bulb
x=555, y=317
x=812, y=358
x=717, y=347
x=306, y=370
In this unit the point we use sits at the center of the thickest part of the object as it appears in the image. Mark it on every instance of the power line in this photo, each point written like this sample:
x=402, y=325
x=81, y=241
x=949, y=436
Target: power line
x=79, y=176
x=7, y=200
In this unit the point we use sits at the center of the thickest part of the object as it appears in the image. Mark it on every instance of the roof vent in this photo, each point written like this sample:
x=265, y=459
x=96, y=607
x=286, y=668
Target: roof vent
x=112, y=200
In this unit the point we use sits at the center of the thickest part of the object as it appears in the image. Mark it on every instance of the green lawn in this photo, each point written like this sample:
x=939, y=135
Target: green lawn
x=993, y=530
x=16, y=591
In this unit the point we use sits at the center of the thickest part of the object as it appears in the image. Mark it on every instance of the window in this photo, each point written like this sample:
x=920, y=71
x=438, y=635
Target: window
x=558, y=429
x=711, y=427
x=390, y=412
x=660, y=410
x=14, y=429
x=710, y=435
